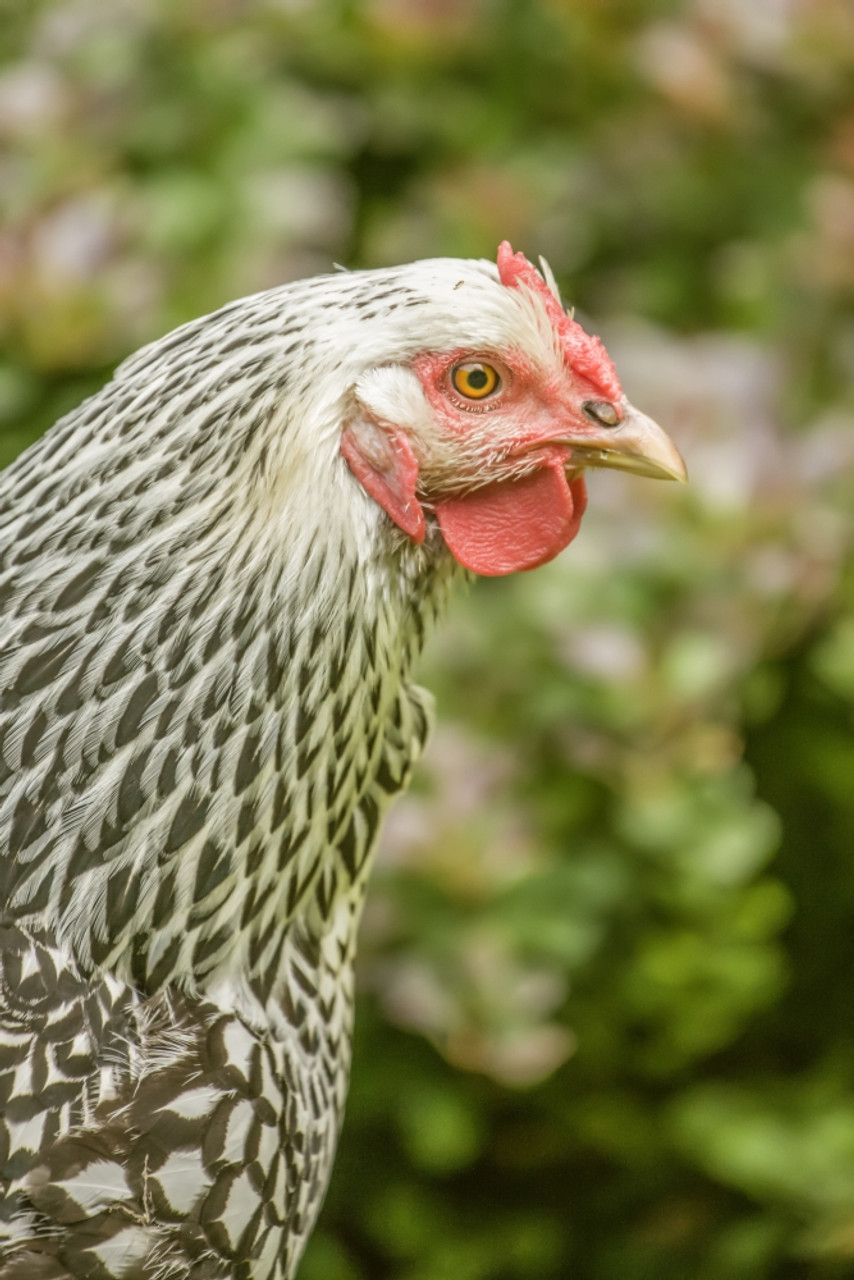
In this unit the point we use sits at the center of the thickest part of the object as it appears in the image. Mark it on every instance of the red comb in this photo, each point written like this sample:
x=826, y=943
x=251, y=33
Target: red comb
x=584, y=352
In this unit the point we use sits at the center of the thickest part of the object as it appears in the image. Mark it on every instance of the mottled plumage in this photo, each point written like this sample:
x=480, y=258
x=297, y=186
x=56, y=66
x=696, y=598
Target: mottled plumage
x=208, y=631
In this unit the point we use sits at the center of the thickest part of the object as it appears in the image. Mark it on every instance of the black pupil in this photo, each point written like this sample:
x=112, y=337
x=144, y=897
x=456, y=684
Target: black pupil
x=478, y=379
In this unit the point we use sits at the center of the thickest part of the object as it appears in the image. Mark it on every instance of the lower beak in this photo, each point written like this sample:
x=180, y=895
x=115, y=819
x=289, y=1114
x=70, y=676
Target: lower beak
x=635, y=444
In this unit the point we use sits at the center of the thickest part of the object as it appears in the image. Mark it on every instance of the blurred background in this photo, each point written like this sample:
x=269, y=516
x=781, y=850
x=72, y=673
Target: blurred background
x=607, y=1013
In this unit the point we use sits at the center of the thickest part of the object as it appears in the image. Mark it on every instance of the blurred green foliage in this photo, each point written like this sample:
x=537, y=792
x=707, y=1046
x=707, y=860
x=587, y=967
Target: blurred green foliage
x=607, y=1021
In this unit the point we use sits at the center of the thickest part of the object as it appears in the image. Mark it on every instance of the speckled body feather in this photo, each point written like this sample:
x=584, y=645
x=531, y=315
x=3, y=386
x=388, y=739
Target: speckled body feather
x=208, y=630
x=207, y=634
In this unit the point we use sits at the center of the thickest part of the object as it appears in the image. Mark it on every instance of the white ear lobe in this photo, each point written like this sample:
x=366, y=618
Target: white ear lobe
x=393, y=394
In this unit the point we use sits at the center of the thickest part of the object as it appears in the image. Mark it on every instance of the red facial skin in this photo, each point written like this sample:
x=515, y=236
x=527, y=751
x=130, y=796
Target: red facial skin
x=530, y=406
x=532, y=509
x=525, y=519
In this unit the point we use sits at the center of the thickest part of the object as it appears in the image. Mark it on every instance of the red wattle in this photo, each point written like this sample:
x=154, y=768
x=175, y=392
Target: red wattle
x=517, y=524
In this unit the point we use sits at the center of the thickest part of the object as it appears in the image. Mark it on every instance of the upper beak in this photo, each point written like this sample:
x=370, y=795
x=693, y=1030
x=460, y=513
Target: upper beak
x=635, y=444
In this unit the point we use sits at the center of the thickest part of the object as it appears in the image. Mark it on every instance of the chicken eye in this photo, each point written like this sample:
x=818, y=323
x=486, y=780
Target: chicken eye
x=475, y=380
x=602, y=412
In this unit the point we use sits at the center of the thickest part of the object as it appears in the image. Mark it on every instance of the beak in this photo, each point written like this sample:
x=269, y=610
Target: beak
x=635, y=444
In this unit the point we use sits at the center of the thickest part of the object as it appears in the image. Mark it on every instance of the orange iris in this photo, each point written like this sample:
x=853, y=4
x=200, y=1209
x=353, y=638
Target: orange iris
x=475, y=380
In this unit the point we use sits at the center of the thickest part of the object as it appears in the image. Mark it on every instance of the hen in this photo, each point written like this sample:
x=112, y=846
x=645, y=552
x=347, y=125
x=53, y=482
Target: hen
x=215, y=578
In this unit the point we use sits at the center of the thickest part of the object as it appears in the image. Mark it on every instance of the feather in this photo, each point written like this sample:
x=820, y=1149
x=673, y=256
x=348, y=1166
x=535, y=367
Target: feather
x=210, y=626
